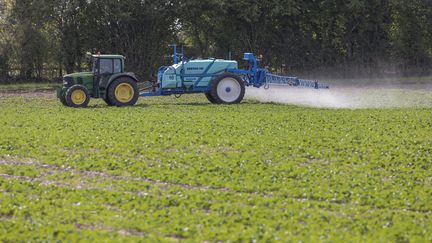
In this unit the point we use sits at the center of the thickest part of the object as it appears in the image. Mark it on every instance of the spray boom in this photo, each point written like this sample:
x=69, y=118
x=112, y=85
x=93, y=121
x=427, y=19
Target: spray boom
x=257, y=77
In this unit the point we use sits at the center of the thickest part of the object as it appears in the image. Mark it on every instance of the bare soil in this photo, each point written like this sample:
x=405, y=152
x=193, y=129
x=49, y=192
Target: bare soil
x=28, y=93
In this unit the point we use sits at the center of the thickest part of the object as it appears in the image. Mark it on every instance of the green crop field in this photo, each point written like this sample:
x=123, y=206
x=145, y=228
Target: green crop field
x=184, y=170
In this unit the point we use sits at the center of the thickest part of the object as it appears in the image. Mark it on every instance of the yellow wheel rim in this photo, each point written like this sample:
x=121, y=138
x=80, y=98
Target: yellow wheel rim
x=78, y=97
x=124, y=92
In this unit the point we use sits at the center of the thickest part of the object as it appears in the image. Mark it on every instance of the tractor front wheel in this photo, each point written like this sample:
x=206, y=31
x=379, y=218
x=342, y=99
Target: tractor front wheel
x=227, y=89
x=123, y=92
x=77, y=96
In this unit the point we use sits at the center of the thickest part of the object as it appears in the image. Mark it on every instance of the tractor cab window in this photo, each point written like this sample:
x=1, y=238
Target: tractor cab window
x=106, y=66
x=117, y=66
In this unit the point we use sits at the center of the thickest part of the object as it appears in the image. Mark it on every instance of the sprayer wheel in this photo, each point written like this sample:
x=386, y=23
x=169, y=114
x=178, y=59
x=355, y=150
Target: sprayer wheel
x=227, y=89
x=210, y=98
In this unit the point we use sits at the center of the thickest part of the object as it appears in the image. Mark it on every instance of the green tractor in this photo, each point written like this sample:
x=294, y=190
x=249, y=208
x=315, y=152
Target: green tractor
x=107, y=80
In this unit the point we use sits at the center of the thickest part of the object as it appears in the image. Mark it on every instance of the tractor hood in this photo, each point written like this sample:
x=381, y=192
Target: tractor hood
x=79, y=75
x=84, y=78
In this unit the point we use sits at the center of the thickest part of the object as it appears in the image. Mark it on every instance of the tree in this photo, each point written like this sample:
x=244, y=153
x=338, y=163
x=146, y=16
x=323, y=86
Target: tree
x=6, y=39
x=411, y=31
x=290, y=35
x=69, y=18
x=140, y=30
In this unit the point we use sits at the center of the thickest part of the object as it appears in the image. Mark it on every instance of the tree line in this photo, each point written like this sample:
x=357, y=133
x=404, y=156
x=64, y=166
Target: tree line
x=45, y=39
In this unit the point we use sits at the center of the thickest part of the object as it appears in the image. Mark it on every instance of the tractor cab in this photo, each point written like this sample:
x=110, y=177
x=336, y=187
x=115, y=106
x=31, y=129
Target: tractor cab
x=106, y=79
x=103, y=68
x=107, y=64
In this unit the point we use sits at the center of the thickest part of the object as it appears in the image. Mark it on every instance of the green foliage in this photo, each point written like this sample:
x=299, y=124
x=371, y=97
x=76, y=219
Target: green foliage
x=46, y=38
x=5, y=40
x=412, y=29
x=170, y=169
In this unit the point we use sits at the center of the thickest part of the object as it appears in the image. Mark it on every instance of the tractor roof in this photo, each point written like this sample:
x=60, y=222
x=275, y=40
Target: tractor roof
x=111, y=56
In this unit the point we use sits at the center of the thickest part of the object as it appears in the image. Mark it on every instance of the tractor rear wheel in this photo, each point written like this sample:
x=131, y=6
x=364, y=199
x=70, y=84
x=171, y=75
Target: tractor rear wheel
x=210, y=98
x=77, y=96
x=228, y=89
x=123, y=92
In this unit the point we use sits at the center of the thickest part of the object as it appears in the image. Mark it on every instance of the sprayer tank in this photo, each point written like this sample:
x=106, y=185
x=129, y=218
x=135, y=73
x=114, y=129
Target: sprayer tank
x=199, y=72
